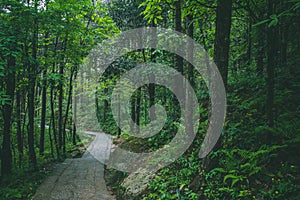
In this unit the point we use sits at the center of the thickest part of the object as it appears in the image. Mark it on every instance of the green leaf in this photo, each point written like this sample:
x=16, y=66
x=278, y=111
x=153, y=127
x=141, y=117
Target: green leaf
x=234, y=178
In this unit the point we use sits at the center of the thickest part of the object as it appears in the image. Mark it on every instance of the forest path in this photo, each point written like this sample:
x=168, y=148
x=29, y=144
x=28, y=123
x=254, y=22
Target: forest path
x=80, y=178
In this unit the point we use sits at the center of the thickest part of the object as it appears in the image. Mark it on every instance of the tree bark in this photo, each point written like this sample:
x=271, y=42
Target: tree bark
x=19, y=127
x=190, y=54
x=31, y=93
x=178, y=58
x=73, y=70
x=105, y=105
x=260, y=53
x=272, y=50
x=221, y=57
x=53, y=123
x=222, y=37
x=75, y=111
x=6, y=155
x=133, y=113
x=138, y=109
x=43, y=114
x=44, y=100
x=60, y=107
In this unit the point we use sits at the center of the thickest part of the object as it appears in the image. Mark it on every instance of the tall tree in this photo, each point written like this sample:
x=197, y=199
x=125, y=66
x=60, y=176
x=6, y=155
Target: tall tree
x=222, y=37
x=178, y=58
x=271, y=64
x=32, y=73
x=6, y=162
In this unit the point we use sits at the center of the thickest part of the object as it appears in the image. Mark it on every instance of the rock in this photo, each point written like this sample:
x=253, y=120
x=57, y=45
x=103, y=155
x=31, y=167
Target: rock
x=76, y=154
x=136, y=184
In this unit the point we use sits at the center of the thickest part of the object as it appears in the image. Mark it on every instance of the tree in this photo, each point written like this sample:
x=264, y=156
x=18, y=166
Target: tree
x=222, y=37
x=9, y=52
x=271, y=64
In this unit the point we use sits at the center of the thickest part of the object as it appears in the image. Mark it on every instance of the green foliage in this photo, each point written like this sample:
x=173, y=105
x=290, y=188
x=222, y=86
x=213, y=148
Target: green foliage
x=153, y=10
x=255, y=161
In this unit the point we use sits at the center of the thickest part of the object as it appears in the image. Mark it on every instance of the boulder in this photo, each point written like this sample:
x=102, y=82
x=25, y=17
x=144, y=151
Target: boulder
x=136, y=184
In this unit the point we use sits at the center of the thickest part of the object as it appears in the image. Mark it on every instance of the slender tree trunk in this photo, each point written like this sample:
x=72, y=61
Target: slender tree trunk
x=222, y=38
x=19, y=127
x=151, y=96
x=31, y=94
x=272, y=50
x=61, y=136
x=75, y=110
x=44, y=100
x=190, y=33
x=24, y=110
x=31, y=109
x=178, y=58
x=73, y=70
x=138, y=109
x=51, y=141
x=151, y=79
x=119, y=117
x=190, y=54
x=6, y=154
x=60, y=107
x=133, y=113
x=97, y=105
x=43, y=114
x=53, y=123
x=249, y=35
x=284, y=45
x=105, y=104
x=145, y=107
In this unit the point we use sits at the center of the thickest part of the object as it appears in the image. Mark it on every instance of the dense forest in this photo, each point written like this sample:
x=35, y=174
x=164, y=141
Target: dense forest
x=46, y=77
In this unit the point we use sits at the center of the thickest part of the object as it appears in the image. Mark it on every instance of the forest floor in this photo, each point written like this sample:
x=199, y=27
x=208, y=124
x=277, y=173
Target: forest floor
x=80, y=178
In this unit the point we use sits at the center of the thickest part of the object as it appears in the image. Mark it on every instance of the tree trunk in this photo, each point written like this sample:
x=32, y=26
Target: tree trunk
x=53, y=123
x=97, y=105
x=190, y=54
x=73, y=70
x=43, y=114
x=6, y=155
x=44, y=101
x=260, y=53
x=221, y=56
x=151, y=79
x=60, y=107
x=75, y=111
x=271, y=40
x=119, y=117
x=133, y=114
x=68, y=108
x=31, y=109
x=19, y=127
x=222, y=37
x=31, y=94
x=61, y=136
x=51, y=141
x=105, y=105
x=138, y=109
x=151, y=96
x=178, y=58
x=249, y=53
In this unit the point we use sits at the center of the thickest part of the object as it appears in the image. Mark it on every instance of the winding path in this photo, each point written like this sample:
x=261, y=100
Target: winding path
x=80, y=178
